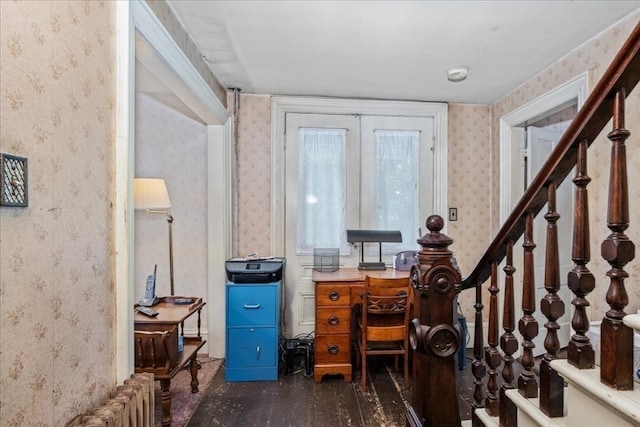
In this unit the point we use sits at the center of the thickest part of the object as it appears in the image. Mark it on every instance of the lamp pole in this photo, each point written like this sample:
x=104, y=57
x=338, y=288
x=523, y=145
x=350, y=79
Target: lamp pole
x=170, y=221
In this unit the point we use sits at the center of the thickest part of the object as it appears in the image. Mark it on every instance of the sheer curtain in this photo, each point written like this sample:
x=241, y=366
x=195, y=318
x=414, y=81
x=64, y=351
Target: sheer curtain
x=396, y=186
x=322, y=190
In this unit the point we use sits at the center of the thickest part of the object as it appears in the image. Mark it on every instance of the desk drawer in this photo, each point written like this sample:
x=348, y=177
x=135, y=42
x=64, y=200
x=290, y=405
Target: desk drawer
x=333, y=320
x=333, y=349
x=333, y=294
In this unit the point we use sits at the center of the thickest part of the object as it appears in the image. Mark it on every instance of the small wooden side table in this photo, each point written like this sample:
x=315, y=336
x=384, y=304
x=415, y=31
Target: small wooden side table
x=156, y=345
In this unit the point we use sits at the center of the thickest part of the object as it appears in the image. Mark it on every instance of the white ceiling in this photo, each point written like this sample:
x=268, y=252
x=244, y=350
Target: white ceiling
x=390, y=49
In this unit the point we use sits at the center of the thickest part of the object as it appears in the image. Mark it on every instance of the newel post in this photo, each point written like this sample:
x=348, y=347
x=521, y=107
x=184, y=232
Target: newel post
x=434, y=337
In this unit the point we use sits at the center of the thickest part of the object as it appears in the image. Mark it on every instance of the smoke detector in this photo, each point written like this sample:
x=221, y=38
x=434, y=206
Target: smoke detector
x=457, y=74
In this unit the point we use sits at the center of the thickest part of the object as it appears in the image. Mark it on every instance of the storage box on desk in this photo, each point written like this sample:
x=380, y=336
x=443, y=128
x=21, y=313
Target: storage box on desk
x=326, y=259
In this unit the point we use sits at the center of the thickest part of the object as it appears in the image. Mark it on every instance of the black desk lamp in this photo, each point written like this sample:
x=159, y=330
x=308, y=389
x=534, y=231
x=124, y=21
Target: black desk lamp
x=366, y=236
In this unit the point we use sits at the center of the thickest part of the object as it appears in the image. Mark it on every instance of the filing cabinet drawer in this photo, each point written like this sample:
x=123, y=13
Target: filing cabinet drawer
x=252, y=347
x=333, y=294
x=333, y=349
x=333, y=320
x=251, y=305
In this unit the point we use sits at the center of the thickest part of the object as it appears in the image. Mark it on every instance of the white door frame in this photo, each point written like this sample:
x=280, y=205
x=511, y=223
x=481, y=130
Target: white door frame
x=173, y=68
x=574, y=89
x=280, y=106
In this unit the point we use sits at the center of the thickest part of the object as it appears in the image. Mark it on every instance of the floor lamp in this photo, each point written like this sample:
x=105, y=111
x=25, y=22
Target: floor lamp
x=151, y=196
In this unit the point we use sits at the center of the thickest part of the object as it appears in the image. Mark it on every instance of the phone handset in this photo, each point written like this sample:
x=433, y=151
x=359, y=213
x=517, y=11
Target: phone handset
x=150, y=297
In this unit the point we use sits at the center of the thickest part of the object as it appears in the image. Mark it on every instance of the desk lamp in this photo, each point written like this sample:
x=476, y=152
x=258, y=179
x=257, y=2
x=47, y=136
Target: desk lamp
x=379, y=236
x=151, y=196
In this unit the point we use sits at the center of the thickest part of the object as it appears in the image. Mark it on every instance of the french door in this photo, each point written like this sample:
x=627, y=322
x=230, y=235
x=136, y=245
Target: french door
x=346, y=171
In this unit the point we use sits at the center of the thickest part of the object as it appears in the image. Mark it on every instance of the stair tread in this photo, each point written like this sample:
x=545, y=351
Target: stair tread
x=532, y=408
x=626, y=403
x=486, y=419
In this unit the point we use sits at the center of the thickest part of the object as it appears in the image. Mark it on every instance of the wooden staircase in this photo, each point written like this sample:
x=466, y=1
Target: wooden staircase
x=569, y=391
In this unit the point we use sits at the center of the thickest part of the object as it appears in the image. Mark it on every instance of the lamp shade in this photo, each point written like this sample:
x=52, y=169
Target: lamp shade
x=150, y=194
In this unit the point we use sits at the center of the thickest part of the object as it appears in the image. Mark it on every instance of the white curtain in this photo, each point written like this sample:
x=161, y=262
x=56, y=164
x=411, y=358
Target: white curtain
x=396, y=186
x=322, y=190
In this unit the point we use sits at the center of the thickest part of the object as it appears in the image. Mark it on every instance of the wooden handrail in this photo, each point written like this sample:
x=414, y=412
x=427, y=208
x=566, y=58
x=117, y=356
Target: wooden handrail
x=622, y=73
x=436, y=279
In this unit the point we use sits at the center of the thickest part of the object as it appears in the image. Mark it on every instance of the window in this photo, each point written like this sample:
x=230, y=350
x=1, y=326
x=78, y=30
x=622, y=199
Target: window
x=321, y=189
x=297, y=188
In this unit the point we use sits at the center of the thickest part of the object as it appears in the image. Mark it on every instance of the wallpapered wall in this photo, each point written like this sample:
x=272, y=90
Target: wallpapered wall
x=474, y=166
x=254, y=175
x=596, y=56
x=57, y=305
x=172, y=146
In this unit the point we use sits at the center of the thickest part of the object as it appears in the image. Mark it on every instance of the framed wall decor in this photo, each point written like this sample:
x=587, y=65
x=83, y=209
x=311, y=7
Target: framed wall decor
x=13, y=181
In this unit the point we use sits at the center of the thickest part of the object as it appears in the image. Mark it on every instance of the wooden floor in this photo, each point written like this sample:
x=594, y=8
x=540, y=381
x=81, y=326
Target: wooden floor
x=295, y=400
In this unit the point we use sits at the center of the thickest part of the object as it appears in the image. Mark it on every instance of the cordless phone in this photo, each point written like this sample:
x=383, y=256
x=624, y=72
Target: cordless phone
x=150, y=297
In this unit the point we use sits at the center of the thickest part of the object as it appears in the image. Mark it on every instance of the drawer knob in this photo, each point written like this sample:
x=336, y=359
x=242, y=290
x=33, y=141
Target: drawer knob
x=334, y=295
x=333, y=321
x=333, y=349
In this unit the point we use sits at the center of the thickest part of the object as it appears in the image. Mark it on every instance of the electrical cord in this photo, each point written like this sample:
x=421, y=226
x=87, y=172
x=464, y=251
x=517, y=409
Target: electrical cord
x=288, y=346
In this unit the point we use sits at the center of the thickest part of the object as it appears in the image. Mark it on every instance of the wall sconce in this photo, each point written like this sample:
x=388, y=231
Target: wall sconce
x=151, y=196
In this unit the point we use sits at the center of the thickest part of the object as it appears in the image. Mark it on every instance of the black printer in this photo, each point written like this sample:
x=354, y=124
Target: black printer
x=255, y=270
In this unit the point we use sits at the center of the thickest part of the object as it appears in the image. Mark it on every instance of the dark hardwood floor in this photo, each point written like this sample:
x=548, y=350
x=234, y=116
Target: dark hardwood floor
x=295, y=400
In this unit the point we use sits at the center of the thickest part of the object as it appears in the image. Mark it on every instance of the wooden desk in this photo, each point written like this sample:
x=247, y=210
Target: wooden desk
x=156, y=345
x=336, y=294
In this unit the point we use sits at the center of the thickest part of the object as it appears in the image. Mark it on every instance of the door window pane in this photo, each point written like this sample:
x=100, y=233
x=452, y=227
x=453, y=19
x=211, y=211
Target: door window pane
x=321, y=190
x=397, y=156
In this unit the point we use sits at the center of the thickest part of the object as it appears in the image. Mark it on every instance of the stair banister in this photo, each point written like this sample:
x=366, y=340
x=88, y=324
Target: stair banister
x=623, y=73
x=605, y=101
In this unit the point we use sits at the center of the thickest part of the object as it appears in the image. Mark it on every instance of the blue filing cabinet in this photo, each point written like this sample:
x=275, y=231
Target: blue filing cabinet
x=252, y=331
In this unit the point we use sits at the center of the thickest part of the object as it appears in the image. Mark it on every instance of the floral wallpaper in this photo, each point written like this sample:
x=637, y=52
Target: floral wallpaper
x=172, y=146
x=252, y=224
x=468, y=176
x=474, y=166
x=57, y=304
x=57, y=100
x=595, y=55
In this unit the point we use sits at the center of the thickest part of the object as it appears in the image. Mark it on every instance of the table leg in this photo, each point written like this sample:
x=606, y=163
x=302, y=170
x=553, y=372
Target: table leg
x=194, y=365
x=165, y=387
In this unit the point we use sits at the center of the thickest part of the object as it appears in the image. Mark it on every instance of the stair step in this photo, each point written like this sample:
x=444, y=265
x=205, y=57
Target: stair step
x=530, y=408
x=585, y=388
x=487, y=420
x=593, y=403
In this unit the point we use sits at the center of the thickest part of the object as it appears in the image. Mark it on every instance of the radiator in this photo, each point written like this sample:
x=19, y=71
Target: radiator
x=130, y=405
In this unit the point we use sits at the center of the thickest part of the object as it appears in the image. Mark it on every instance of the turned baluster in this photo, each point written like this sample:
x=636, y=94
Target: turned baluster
x=508, y=344
x=616, y=368
x=478, y=367
x=552, y=306
x=580, y=280
x=528, y=326
x=492, y=354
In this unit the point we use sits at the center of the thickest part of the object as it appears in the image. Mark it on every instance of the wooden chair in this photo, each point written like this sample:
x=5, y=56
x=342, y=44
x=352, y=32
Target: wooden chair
x=383, y=322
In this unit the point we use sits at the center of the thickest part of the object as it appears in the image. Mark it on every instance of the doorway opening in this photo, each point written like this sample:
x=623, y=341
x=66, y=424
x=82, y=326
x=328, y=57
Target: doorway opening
x=527, y=137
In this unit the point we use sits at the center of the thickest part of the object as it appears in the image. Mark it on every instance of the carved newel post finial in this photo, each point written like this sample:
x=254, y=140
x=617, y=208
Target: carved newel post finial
x=435, y=223
x=434, y=337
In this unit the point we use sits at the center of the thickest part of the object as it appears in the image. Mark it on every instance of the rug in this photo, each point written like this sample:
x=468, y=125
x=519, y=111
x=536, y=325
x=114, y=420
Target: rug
x=183, y=402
